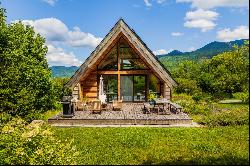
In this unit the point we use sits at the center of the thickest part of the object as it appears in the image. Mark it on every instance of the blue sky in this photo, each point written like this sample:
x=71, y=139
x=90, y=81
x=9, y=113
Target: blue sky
x=73, y=28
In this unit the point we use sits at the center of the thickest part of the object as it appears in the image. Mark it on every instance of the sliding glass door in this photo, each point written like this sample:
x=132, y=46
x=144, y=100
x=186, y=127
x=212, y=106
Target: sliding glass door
x=133, y=87
x=127, y=88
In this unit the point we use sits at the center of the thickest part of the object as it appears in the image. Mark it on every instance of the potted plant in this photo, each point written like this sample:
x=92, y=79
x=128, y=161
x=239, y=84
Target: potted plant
x=152, y=97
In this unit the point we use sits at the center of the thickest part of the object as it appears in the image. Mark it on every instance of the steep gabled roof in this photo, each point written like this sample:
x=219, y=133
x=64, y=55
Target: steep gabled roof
x=122, y=28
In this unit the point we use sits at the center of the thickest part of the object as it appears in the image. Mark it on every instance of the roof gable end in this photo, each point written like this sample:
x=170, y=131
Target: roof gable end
x=135, y=40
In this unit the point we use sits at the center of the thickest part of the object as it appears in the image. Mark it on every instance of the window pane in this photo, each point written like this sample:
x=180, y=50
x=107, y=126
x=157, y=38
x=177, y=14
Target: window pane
x=132, y=64
x=127, y=88
x=154, y=85
x=110, y=61
x=129, y=59
x=139, y=88
x=110, y=87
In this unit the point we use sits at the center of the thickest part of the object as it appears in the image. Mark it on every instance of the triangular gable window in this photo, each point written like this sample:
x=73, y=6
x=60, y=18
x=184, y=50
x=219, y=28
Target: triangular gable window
x=129, y=60
x=110, y=61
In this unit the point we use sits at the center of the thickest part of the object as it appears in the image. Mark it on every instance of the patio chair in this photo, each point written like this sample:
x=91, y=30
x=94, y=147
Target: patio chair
x=117, y=105
x=147, y=108
x=104, y=107
x=96, y=107
x=80, y=105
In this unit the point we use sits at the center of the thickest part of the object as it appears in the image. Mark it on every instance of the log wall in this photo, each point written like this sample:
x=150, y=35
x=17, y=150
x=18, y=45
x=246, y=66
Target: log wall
x=89, y=86
x=166, y=91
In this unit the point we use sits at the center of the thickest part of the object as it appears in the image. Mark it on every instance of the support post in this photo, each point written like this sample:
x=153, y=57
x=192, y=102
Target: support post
x=118, y=73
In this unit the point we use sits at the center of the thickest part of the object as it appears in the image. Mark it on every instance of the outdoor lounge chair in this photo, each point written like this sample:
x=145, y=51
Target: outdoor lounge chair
x=117, y=105
x=96, y=107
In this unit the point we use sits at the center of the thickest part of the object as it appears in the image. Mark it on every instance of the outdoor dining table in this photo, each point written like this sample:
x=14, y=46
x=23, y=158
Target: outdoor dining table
x=162, y=101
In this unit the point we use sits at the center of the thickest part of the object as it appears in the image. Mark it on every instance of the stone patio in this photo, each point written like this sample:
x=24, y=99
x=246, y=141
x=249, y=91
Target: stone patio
x=131, y=114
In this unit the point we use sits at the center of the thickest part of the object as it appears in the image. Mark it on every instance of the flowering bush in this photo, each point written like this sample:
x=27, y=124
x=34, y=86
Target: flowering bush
x=33, y=144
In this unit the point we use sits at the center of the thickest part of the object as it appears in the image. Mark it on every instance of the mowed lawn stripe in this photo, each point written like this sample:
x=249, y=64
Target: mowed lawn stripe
x=219, y=145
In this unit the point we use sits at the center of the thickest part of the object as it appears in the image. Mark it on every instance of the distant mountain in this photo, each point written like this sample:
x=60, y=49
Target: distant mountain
x=208, y=51
x=174, y=53
x=63, y=71
x=172, y=59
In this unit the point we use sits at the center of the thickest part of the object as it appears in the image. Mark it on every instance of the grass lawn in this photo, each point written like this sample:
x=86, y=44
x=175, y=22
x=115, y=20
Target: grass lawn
x=219, y=145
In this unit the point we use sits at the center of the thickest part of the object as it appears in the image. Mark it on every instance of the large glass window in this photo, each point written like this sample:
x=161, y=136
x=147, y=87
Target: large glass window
x=110, y=87
x=139, y=87
x=154, y=85
x=110, y=61
x=129, y=59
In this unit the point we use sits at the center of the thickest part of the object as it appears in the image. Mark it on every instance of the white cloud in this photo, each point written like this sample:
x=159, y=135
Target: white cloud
x=201, y=19
x=58, y=56
x=51, y=28
x=209, y=4
x=55, y=30
x=240, y=32
x=176, y=34
x=147, y=3
x=50, y=2
x=162, y=51
x=202, y=24
x=77, y=38
x=201, y=14
x=160, y=1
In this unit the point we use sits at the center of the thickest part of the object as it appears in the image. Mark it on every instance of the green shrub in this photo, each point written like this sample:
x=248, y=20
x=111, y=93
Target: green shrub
x=241, y=96
x=32, y=144
x=197, y=96
x=237, y=116
x=4, y=118
x=191, y=106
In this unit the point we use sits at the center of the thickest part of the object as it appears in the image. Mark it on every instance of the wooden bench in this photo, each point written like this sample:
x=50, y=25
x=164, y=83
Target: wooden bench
x=177, y=108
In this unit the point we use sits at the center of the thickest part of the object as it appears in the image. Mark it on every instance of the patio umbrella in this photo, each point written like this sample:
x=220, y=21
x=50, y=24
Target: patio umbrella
x=102, y=96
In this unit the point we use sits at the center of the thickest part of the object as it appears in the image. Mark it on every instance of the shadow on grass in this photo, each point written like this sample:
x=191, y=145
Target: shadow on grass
x=222, y=160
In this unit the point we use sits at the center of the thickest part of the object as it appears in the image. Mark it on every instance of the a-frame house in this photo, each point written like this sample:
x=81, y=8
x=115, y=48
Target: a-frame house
x=129, y=69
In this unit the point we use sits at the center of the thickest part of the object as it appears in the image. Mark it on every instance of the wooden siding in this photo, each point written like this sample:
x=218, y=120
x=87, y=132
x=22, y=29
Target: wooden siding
x=166, y=91
x=89, y=86
x=75, y=92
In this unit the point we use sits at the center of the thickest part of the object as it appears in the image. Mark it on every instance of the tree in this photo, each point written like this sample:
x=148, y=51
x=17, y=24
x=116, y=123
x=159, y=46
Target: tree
x=227, y=72
x=221, y=76
x=25, y=82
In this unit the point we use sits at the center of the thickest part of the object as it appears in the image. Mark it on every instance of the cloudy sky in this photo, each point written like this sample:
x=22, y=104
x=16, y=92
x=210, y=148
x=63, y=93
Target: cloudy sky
x=73, y=28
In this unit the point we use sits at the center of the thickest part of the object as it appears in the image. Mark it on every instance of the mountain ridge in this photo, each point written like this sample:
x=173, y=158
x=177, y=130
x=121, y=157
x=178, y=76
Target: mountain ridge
x=63, y=71
x=209, y=50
